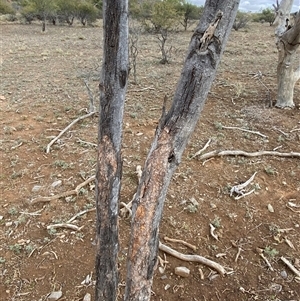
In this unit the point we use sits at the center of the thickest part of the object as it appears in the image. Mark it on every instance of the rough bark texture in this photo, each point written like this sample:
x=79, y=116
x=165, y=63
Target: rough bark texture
x=172, y=134
x=108, y=177
x=288, y=40
x=287, y=76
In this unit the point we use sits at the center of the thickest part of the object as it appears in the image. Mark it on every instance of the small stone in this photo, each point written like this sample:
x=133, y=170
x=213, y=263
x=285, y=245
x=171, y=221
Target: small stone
x=87, y=297
x=56, y=183
x=270, y=208
x=194, y=202
x=161, y=270
x=54, y=296
x=36, y=188
x=8, y=224
x=182, y=271
x=1, y=217
x=283, y=274
x=167, y=287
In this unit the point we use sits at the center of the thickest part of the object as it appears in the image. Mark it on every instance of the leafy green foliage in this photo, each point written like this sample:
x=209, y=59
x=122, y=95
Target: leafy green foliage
x=86, y=12
x=6, y=8
x=241, y=20
x=156, y=15
x=166, y=14
x=67, y=10
x=189, y=12
x=266, y=15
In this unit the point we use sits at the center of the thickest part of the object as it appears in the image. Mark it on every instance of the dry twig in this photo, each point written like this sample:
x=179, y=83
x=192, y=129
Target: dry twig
x=240, y=189
x=63, y=194
x=65, y=225
x=194, y=258
x=217, y=153
x=199, y=152
x=261, y=254
x=194, y=248
x=67, y=128
x=244, y=130
x=290, y=266
x=79, y=214
x=127, y=207
x=212, y=229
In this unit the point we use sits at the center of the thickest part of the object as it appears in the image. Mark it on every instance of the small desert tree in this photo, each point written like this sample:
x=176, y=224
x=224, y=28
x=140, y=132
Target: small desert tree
x=67, y=10
x=190, y=12
x=165, y=16
x=6, y=8
x=287, y=42
x=43, y=9
x=86, y=12
x=241, y=21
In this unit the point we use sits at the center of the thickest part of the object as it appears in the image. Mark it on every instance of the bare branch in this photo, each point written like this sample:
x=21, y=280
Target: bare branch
x=194, y=248
x=199, y=152
x=64, y=194
x=244, y=130
x=67, y=128
x=217, y=153
x=290, y=266
x=194, y=258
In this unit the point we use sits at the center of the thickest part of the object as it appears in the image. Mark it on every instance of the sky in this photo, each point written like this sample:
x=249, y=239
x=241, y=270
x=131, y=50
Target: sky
x=253, y=5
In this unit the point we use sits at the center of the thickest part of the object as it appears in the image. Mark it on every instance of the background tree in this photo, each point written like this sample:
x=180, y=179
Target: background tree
x=41, y=9
x=86, y=12
x=6, y=8
x=241, y=20
x=266, y=15
x=190, y=13
x=67, y=10
x=288, y=41
x=134, y=35
x=165, y=16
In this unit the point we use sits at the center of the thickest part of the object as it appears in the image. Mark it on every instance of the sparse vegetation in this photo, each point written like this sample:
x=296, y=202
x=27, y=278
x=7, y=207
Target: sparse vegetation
x=50, y=94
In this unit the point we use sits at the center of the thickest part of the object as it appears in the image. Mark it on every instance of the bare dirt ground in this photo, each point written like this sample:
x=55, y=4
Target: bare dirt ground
x=42, y=91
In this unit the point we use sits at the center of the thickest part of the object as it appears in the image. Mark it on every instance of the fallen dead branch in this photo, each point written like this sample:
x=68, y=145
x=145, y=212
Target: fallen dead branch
x=217, y=153
x=199, y=152
x=290, y=266
x=212, y=229
x=86, y=142
x=261, y=254
x=142, y=89
x=67, y=128
x=65, y=225
x=79, y=214
x=194, y=248
x=194, y=258
x=63, y=194
x=240, y=189
x=294, y=130
x=244, y=130
x=126, y=210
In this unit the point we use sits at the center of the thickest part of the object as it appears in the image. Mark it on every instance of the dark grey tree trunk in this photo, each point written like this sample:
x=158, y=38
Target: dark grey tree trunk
x=44, y=24
x=109, y=167
x=172, y=134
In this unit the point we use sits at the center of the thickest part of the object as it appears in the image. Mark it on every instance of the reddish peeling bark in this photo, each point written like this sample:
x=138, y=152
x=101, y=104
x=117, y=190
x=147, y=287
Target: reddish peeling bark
x=172, y=134
x=109, y=168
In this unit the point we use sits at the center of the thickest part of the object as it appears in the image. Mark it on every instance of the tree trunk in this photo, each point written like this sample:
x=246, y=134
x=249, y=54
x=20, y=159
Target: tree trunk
x=44, y=24
x=109, y=167
x=172, y=134
x=288, y=40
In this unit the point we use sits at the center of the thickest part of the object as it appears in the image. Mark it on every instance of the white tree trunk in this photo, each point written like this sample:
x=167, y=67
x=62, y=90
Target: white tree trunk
x=287, y=43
